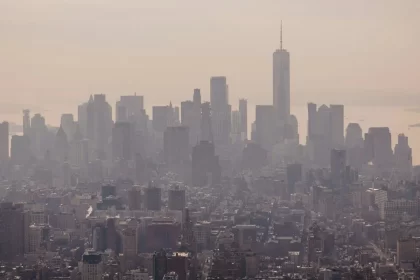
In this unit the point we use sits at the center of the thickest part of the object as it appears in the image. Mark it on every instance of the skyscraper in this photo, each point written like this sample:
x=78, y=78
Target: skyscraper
x=153, y=198
x=11, y=230
x=281, y=83
x=337, y=126
x=176, y=145
x=338, y=168
x=20, y=151
x=205, y=165
x=205, y=125
x=312, y=110
x=403, y=157
x=243, y=112
x=122, y=141
x=191, y=117
x=4, y=141
x=26, y=122
x=378, y=147
x=220, y=111
x=61, y=146
x=68, y=125
x=354, y=145
x=99, y=123
x=264, y=129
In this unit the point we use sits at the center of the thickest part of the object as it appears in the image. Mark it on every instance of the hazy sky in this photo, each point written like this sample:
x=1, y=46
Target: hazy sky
x=56, y=52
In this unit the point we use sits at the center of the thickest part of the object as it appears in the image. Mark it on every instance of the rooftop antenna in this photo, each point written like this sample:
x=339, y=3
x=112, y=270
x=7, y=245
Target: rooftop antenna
x=281, y=35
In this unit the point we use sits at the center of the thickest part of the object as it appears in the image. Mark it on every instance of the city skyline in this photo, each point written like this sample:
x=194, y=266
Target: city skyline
x=69, y=63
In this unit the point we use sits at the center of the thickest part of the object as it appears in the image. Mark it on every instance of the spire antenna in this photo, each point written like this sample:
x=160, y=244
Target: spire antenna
x=281, y=35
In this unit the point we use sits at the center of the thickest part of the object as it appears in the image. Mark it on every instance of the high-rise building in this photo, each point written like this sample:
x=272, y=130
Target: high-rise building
x=378, y=148
x=325, y=131
x=294, y=175
x=243, y=112
x=337, y=126
x=153, y=198
x=99, y=124
x=236, y=131
x=406, y=249
x=312, y=110
x=281, y=83
x=205, y=125
x=338, y=168
x=403, y=157
x=165, y=262
x=122, y=141
x=129, y=107
x=264, y=128
x=221, y=111
x=20, y=151
x=11, y=231
x=92, y=266
x=162, y=118
x=354, y=135
x=79, y=149
x=176, y=198
x=4, y=141
x=61, y=146
x=191, y=117
x=354, y=145
x=129, y=240
x=176, y=144
x=205, y=165
x=26, y=122
x=68, y=125
x=134, y=198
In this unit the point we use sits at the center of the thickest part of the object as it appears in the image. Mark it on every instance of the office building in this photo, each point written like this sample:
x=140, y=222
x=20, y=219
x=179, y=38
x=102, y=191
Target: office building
x=152, y=195
x=406, y=249
x=236, y=133
x=337, y=126
x=162, y=233
x=92, y=266
x=281, y=84
x=403, y=157
x=26, y=122
x=129, y=239
x=122, y=141
x=294, y=175
x=69, y=125
x=220, y=111
x=165, y=262
x=354, y=136
x=82, y=118
x=4, y=141
x=264, y=126
x=79, y=149
x=245, y=235
x=205, y=165
x=134, y=198
x=11, y=231
x=61, y=146
x=176, y=198
x=129, y=107
x=20, y=151
x=378, y=149
x=162, y=116
x=206, y=131
x=338, y=168
x=99, y=124
x=176, y=148
x=108, y=191
x=243, y=112
x=312, y=123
